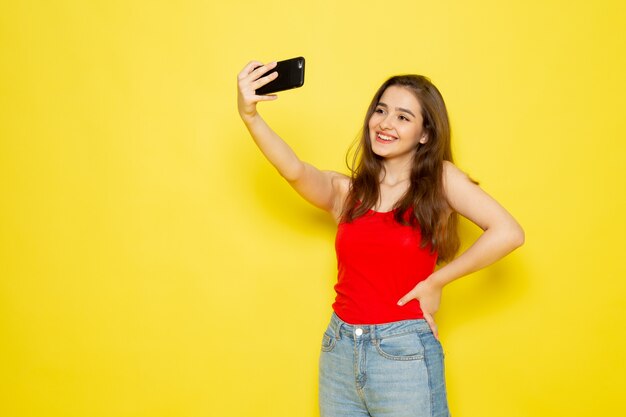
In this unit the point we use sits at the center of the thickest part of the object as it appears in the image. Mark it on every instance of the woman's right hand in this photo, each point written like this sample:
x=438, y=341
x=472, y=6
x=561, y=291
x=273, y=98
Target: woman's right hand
x=249, y=80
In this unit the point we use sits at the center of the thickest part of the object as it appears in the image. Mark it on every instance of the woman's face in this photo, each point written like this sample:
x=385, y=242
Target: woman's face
x=396, y=126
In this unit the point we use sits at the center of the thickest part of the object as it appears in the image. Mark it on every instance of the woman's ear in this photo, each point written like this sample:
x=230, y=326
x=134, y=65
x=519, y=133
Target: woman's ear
x=424, y=138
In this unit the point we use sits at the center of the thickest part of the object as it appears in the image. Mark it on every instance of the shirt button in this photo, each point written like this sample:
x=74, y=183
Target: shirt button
x=358, y=332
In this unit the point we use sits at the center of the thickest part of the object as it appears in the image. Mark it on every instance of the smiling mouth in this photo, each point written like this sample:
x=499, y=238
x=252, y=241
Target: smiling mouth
x=385, y=138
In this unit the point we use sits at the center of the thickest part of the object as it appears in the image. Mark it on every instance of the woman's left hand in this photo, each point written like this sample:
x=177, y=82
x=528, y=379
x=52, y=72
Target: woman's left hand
x=428, y=293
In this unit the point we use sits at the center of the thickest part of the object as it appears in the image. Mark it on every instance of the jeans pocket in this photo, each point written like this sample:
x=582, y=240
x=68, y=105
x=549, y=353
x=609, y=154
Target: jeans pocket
x=403, y=347
x=328, y=343
x=431, y=343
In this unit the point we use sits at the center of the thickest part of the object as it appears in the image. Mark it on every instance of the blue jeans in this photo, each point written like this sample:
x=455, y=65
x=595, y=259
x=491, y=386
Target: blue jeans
x=384, y=370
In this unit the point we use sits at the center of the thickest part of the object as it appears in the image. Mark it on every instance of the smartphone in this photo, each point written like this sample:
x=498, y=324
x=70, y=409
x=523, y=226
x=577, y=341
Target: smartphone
x=290, y=75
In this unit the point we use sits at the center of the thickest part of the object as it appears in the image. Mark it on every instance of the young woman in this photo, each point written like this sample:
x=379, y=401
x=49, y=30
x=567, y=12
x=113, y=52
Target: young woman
x=396, y=216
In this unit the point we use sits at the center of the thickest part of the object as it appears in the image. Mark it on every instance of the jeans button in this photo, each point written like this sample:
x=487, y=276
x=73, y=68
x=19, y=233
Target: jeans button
x=358, y=332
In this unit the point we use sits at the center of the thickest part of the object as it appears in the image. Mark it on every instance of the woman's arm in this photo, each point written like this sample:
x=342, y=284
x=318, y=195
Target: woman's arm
x=502, y=234
x=323, y=189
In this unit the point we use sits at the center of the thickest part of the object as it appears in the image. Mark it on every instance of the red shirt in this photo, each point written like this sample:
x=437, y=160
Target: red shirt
x=379, y=261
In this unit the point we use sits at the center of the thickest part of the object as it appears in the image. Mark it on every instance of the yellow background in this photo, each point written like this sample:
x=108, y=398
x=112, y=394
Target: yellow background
x=153, y=264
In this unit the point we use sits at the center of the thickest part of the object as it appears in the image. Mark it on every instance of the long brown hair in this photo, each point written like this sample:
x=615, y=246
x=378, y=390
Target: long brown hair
x=425, y=195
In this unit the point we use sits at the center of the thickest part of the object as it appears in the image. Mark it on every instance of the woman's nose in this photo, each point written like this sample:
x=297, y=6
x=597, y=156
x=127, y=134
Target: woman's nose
x=385, y=123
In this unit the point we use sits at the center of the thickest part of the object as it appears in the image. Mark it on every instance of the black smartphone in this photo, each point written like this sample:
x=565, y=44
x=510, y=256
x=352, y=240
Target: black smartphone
x=290, y=75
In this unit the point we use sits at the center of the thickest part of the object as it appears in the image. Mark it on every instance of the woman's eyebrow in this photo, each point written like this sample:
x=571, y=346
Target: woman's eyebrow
x=380, y=103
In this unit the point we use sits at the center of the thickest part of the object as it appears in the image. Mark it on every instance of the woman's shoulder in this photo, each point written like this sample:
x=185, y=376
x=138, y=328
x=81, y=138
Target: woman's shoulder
x=454, y=180
x=450, y=169
x=453, y=174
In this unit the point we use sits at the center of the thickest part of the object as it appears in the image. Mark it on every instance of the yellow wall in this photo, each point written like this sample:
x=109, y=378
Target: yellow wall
x=153, y=264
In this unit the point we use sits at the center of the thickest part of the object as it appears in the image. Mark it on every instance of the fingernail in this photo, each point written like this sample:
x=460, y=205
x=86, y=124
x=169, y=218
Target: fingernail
x=400, y=303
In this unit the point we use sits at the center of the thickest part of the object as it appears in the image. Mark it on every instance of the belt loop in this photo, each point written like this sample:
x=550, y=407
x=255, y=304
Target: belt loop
x=337, y=327
x=373, y=332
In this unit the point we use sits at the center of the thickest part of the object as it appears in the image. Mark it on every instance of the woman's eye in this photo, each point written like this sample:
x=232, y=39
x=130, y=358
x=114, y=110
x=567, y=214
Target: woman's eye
x=379, y=111
x=403, y=118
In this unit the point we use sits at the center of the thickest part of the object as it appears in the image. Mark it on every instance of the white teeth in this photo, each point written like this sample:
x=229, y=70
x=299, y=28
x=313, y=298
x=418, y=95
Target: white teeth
x=385, y=137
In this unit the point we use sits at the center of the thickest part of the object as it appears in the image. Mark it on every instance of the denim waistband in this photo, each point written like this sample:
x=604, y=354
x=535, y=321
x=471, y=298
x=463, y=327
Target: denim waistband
x=376, y=331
